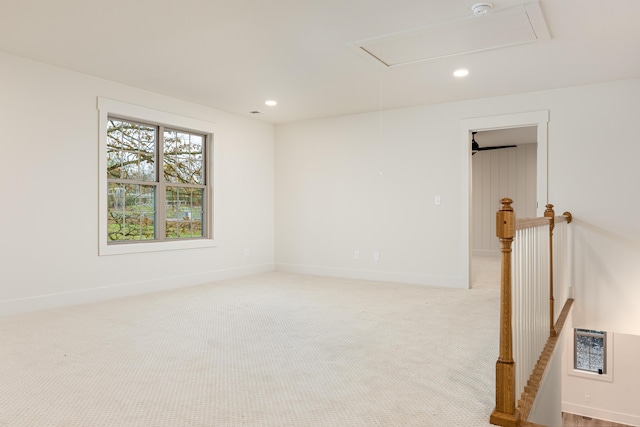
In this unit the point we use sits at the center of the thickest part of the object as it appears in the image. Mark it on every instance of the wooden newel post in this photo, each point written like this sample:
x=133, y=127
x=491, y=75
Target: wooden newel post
x=549, y=213
x=505, y=413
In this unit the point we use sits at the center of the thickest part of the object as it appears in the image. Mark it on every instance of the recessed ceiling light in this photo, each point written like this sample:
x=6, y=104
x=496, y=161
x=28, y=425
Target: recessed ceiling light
x=271, y=103
x=462, y=72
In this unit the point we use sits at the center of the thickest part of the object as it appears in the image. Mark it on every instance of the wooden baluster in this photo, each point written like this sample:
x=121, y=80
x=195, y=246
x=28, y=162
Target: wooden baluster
x=549, y=213
x=505, y=413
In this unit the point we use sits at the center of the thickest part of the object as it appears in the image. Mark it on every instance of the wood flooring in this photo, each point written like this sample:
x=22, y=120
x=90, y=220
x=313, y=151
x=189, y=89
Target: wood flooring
x=571, y=420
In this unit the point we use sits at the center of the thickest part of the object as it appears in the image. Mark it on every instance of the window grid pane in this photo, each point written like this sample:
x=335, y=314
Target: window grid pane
x=131, y=212
x=183, y=157
x=590, y=351
x=184, y=212
x=131, y=151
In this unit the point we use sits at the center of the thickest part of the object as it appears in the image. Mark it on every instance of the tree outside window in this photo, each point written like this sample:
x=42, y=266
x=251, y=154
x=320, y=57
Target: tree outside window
x=157, y=189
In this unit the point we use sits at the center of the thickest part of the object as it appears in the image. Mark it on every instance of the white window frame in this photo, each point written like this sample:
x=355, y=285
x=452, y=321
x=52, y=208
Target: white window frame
x=608, y=348
x=109, y=107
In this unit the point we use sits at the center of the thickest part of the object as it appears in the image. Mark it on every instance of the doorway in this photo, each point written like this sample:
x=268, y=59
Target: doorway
x=503, y=164
x=537, y=119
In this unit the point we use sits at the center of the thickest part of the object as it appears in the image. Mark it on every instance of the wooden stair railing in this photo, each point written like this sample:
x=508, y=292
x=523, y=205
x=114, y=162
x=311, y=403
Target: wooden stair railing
x=506, y=412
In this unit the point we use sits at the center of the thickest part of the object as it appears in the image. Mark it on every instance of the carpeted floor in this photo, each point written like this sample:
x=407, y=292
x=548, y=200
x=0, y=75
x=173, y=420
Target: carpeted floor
x=485, y=272
x=272, y=350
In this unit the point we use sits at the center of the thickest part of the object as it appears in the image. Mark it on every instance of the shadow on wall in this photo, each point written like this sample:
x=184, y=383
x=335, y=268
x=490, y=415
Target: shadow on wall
x=622, y=240
x=606, y=273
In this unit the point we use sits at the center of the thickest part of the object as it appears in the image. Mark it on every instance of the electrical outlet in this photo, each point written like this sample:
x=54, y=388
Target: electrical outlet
x=437, y=200
x=356, y=254
x=376, y=256
x=587, y=398
x=246, y=253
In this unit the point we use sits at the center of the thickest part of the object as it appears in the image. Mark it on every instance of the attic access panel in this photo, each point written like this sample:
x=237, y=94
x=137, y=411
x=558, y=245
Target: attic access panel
x=502, y=28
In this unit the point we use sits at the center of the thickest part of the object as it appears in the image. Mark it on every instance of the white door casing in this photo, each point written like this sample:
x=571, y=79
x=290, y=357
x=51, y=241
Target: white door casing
x=533, y=118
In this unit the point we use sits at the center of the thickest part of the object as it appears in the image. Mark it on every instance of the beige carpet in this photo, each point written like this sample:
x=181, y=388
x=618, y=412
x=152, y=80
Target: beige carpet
x=485, y=272
x=271, y=350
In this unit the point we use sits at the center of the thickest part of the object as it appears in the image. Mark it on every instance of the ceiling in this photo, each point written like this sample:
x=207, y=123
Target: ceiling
x=510, y=136
x=235, y=54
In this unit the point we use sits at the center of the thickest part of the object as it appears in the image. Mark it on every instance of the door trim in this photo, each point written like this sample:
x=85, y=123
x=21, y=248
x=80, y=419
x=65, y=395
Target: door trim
x=533, y=118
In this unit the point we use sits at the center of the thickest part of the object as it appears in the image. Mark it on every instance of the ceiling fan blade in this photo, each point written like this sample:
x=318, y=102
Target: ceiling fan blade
x=475, y=147
x=496, y=148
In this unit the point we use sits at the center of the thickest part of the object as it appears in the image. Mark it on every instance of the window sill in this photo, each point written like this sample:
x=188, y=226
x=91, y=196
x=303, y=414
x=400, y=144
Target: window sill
x=134, y=248
x=591, y=375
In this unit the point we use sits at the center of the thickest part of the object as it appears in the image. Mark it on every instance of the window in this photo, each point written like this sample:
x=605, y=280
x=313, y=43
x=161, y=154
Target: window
x=155, y=180
x=590, y=351
x=592, y=354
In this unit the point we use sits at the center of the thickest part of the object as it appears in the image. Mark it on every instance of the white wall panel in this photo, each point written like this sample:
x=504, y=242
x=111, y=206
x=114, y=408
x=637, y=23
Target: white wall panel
x=510, y=172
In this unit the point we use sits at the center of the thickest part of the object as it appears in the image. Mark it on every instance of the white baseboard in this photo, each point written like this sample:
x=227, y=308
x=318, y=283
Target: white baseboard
x=65, y=299
x=380, y=276
x=601, y=414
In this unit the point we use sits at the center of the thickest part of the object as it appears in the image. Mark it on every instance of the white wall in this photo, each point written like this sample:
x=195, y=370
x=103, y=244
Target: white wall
x=331, y=199
x=547, y=408
x=49, y=210
x=341, y=187
x=497, y=174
